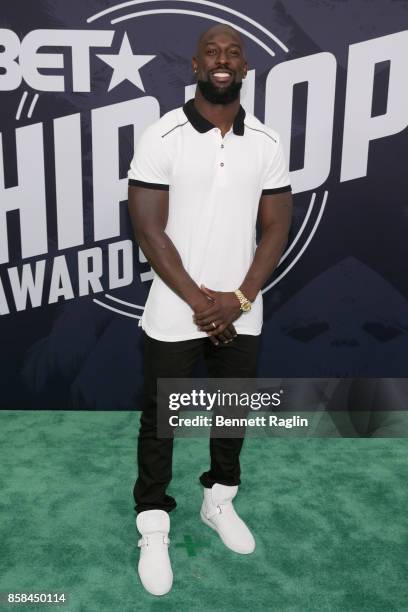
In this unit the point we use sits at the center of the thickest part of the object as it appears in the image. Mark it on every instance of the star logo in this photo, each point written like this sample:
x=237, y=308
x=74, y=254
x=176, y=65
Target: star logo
x=126, y=65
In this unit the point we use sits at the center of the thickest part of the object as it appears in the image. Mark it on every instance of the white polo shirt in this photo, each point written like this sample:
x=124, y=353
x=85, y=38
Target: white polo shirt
x=214, y=185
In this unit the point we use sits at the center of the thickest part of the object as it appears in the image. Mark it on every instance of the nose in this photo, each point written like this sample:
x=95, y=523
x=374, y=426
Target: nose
x=222, y=58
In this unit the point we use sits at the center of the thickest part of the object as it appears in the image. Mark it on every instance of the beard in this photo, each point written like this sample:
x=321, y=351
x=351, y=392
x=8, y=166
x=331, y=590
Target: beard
x=216, y=95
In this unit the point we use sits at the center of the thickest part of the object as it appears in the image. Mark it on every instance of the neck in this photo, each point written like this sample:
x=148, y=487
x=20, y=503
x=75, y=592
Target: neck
x=221, y=115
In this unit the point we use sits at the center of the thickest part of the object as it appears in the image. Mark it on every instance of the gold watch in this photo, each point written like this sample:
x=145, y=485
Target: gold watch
x=244, y=302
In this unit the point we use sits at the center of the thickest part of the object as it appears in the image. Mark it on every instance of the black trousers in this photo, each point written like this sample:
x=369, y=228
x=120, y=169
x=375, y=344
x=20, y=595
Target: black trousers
x=237, y=359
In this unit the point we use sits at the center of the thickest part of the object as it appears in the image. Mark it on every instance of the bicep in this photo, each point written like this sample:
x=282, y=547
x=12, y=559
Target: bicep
x=148, y=209
x=275, y=209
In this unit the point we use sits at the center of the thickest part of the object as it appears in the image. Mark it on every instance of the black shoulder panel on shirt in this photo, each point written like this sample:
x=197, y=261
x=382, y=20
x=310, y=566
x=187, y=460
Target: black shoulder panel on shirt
x=276, y=190
x=160, y=186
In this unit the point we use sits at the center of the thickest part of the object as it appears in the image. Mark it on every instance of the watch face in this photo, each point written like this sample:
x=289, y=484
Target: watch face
x=246, y=307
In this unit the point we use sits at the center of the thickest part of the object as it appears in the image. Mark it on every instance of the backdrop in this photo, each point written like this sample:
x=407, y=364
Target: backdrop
x=79, y=81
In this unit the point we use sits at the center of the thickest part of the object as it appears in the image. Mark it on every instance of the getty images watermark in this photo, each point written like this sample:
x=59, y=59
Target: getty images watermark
x=204, y=400
x=222, y=407
x=274, y=407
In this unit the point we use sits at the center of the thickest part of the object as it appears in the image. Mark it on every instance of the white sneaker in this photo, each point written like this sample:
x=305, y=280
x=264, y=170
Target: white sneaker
x=154, y=564
x=218, y=513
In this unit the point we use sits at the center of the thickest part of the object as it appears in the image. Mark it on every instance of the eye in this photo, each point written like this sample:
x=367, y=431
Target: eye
x=210, y=51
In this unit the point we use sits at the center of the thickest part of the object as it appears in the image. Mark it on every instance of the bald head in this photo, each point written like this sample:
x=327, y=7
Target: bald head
x=220, y=28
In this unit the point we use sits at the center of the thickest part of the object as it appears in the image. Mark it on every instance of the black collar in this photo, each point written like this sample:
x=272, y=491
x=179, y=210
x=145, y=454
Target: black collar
x=201, y=124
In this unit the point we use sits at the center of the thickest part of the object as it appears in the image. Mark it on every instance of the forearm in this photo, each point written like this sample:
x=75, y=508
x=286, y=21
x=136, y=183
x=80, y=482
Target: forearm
x=165, y=260
x=267, y=256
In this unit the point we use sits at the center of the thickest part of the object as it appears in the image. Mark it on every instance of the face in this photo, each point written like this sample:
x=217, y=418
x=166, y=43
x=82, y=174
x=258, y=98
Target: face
x=220, y=66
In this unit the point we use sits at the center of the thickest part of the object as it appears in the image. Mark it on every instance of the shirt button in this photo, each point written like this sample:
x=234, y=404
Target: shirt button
x=221, y=164
x=222, y=146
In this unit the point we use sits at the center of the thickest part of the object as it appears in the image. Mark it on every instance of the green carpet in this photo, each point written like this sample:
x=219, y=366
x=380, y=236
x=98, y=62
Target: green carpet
x=328, y=515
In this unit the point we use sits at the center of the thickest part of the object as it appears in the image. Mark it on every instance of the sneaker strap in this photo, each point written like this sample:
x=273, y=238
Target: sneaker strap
x=151, y=538
x=218, y=509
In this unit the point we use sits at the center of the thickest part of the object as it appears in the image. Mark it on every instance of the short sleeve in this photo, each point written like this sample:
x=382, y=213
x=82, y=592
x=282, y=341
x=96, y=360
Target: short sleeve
x=276, y=178
x=150, y=166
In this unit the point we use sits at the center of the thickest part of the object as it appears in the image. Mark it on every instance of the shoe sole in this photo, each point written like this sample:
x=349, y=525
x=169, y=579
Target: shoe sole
x=207, y=522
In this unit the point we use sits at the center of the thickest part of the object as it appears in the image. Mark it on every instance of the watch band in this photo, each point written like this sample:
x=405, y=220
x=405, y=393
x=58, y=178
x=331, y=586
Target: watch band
x=243, y=300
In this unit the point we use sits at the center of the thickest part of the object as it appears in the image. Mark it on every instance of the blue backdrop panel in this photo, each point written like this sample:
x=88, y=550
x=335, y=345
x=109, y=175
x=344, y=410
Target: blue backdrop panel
x=80, y=80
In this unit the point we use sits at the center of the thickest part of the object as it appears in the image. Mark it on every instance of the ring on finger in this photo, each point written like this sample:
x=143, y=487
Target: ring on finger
x=214, y=325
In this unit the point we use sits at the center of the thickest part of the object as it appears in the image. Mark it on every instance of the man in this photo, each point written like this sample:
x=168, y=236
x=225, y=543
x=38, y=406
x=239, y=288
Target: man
x=199, y=179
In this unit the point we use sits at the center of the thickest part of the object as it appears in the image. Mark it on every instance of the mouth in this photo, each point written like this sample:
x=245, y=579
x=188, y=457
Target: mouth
x=221, y=76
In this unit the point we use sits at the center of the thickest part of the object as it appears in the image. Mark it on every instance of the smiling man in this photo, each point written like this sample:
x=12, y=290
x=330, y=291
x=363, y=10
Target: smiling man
x=199, y=180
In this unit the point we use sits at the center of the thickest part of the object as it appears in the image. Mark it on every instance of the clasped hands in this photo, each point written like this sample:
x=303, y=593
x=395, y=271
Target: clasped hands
x=216, y=317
